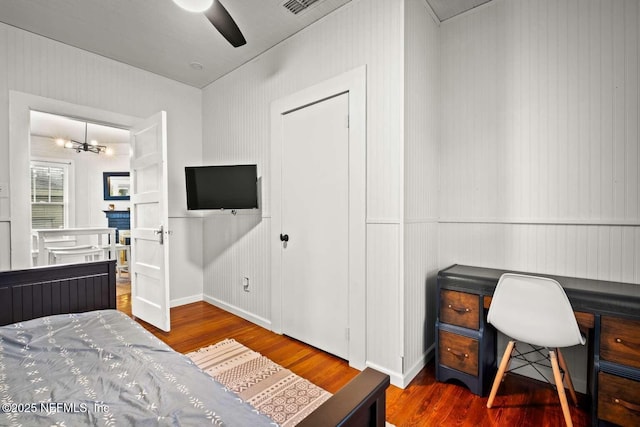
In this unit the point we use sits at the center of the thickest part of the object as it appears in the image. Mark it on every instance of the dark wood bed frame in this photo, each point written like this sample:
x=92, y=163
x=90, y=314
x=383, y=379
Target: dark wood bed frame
x=43, y=291
x=76, y=288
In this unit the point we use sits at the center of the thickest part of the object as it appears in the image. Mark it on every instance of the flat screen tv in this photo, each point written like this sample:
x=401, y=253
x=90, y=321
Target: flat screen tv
x=222, y=187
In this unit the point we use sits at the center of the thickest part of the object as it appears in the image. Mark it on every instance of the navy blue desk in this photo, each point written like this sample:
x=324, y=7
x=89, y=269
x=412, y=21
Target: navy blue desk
x=608, y=311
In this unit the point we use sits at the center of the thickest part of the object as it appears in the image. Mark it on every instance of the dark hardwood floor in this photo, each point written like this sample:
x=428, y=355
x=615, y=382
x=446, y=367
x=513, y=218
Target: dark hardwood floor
x=425, y=402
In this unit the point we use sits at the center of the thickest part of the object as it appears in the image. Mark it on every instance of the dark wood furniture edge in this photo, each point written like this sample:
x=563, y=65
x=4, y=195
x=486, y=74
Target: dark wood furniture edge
x=43, y=291
x=361, y=402
x=586, y=295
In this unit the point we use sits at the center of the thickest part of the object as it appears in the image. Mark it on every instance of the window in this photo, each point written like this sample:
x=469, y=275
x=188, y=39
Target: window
x=49, y=195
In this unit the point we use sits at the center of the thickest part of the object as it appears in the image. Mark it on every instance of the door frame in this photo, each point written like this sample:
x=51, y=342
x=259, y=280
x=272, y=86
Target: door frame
x=20, y=106
x=353, y=82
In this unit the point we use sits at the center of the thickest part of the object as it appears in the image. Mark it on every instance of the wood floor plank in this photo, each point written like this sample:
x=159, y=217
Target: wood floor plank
x=425, y=402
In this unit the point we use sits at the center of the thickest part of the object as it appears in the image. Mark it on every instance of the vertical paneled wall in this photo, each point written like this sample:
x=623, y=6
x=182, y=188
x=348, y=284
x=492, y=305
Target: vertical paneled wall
x=237, y=247
x=5, y=245
x=5, y=201
x=236, y=117
x=36, y=65
x=540, y=138
x=422, y=69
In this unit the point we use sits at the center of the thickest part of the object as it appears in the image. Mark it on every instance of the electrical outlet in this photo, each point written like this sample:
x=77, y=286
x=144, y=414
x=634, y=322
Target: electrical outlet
x=245, y=284
x=4, y=189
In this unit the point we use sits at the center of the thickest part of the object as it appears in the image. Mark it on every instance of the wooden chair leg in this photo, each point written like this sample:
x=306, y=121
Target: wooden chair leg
x=504, y=364
x=560, y=387
x=567, y=377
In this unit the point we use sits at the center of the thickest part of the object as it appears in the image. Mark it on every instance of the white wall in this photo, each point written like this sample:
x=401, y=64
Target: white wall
x=540, y=139
x=39, y=66
x=236, y=114
x=421, y=124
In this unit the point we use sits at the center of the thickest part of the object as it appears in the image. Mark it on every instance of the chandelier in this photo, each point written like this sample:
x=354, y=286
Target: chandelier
x=90, y=146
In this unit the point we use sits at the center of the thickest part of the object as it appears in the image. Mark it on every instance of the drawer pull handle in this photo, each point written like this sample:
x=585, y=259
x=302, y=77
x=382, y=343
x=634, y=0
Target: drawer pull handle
x=629, y=344
x=460, y=310
x=458, y=354
x=630, y=406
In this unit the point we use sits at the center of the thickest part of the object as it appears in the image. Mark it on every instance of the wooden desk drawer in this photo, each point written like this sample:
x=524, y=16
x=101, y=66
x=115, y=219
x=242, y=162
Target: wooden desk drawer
x=459, y=352
x=620, y=341
x=618, y=400
x=459, y=308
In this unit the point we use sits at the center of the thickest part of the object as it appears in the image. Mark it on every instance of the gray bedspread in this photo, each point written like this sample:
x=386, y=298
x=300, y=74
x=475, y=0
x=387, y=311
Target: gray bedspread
x=101, y=368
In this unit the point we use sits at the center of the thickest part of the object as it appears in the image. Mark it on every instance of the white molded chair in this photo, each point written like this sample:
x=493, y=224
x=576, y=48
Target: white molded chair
x=536, y=311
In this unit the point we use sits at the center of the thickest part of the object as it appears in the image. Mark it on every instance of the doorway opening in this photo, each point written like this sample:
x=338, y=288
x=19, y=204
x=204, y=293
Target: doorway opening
x=74, y=164
x=148, y=149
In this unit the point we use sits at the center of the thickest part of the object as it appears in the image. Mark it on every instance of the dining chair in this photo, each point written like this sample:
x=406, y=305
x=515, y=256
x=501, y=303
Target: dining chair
x=536, y=311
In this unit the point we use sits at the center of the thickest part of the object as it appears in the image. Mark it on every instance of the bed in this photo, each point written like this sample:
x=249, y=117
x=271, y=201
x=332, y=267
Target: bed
x=68, y=358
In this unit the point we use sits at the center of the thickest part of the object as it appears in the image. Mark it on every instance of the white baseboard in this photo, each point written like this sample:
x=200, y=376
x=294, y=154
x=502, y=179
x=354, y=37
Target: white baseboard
x=396, y=377
x=402, y=381
x=417, y=367
x=185, y=300
x=260, y=321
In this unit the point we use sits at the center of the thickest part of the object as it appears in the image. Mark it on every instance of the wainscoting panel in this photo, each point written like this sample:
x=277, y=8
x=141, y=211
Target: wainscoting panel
x=185, y=259
x=5, y=245
x=237, y=247
x=610, y=253
x=384, y=297
x=420, y=282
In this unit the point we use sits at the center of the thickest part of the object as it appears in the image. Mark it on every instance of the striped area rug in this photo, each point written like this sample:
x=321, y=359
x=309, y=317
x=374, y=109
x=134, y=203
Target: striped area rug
x=278, y=393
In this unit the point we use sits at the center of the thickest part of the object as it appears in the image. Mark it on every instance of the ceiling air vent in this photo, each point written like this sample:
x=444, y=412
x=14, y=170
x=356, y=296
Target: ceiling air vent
x=297, y=6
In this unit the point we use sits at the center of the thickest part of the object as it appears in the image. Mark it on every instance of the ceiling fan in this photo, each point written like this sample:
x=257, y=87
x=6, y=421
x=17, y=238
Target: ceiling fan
x=218, y=16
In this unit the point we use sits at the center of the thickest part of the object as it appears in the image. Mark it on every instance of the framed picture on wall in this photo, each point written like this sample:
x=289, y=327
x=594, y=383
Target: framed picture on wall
x=116, y=185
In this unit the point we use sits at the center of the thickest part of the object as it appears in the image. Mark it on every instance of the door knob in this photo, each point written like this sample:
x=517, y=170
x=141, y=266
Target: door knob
x=284, y=237
x=160, y=234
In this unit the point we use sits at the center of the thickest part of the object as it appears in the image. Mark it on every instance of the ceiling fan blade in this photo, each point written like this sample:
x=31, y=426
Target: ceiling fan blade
x=225, y=24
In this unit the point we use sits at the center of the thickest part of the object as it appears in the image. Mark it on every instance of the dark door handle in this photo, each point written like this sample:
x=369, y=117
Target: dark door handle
x=284, y=237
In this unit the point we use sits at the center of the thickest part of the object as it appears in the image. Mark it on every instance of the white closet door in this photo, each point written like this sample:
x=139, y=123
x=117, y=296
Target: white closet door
x=315, y=214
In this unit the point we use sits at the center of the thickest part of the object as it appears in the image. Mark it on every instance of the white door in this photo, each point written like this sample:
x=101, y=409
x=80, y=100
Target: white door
x=315, y=215
x=149, y=263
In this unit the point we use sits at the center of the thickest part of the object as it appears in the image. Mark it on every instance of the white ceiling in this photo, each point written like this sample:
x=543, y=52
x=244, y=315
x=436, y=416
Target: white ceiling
x=53, y=126
x=445, y=9
x=159, y=36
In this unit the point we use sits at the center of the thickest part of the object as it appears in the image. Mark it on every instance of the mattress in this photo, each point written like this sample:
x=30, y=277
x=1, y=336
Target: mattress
x=101, y=368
